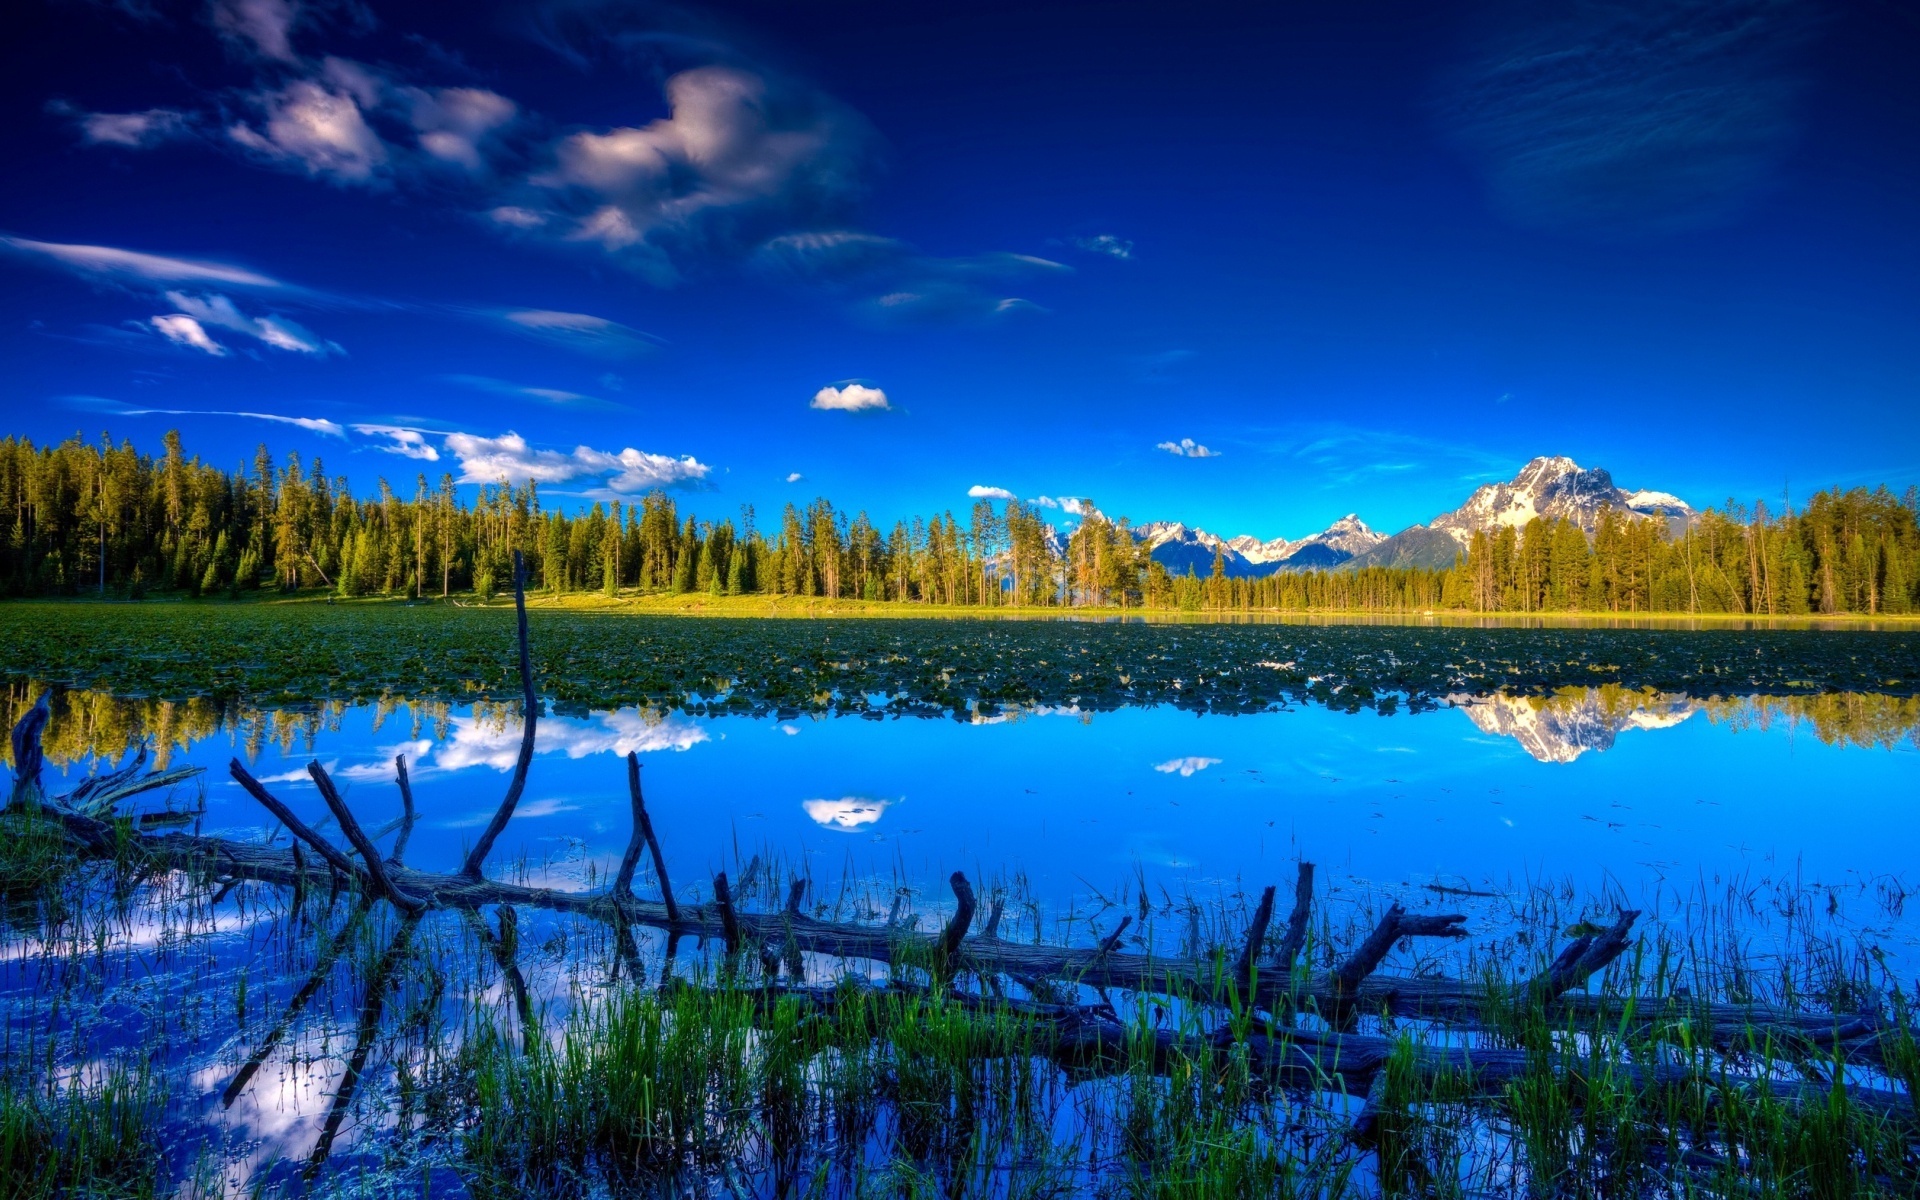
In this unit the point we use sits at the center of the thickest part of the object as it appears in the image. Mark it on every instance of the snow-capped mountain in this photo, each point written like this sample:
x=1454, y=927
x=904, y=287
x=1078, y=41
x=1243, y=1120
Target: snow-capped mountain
x=1563, y=727
x=1552, y=488
x=1181, y=548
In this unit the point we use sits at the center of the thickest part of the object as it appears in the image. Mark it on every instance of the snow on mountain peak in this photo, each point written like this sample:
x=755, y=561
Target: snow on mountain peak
x=1551, y=487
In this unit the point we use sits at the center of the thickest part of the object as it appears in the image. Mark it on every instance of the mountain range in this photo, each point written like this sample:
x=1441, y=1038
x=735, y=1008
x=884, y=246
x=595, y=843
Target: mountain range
x=1549, y=487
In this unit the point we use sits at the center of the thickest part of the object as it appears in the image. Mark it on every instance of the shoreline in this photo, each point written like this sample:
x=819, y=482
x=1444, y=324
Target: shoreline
x=771, y=607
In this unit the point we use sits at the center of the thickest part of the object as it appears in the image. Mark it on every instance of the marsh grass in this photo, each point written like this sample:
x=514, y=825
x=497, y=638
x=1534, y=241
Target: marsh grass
x=696, y=1073
x=81, y=1137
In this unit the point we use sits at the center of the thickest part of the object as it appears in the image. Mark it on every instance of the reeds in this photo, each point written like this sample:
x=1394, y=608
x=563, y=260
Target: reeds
x=741, y=1075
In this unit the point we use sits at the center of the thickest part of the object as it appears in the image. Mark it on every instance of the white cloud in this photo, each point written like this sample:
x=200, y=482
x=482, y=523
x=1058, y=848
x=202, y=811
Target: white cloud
x=408, y=443
x=847, y=813
x=794, y=477
x=478, y=743
x=1044, y=502
x=734, y=145
x=852, y=397
x=452, y=122
x=509, y=457
x=132, y=129
x=311, y=424
x=1078, y=506
x=185, y=331
x=320, y=126
x=1186, y=448
x=982, y=492
x=261, y=27
x=112, y=262
x=1105, y=243
x=275, y=331
x=1185, y=766
x=517, y=216
x=581, y=332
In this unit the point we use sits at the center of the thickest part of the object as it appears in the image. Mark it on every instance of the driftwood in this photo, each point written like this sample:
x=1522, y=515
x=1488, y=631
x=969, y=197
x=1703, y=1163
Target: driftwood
x=1295, y=1055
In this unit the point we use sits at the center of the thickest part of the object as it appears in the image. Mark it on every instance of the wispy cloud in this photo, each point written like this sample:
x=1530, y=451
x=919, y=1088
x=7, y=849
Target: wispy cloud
x=980, y=491
x=1186, y=448
x=112, y=264
x=1630, y=116
x=134, y=130
x=403, y=440
x=1107, y=244
x=185, y=331
x=794, y=477
x=257, y=27
x=852, y=398
x=747, y=165
x=312, y=424
x=546, y=395
x=580, y=332
x=277, y=332
x=892, y=281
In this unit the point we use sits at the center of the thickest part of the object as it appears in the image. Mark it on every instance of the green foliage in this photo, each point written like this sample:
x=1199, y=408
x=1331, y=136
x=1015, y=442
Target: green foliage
x=77, y=518
x=81, y=1138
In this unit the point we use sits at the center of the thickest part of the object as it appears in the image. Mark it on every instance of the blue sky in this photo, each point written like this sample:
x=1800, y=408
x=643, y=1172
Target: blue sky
x=1366, y=256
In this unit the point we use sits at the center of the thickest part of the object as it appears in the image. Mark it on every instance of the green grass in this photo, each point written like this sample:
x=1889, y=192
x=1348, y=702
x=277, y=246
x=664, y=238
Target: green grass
x=78, y=1138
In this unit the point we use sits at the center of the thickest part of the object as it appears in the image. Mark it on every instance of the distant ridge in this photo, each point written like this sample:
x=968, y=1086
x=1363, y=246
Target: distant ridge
x=1180, y=548
x=1548, y=487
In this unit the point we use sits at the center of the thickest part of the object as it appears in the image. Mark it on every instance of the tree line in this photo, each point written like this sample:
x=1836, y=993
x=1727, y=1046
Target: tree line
x=102, y=518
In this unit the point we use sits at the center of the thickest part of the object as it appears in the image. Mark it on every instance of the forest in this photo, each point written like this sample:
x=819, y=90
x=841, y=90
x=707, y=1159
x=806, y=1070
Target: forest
x=83, y=518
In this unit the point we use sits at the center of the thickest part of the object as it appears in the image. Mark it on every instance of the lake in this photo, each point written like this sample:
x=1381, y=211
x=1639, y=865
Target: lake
x=1766, y=839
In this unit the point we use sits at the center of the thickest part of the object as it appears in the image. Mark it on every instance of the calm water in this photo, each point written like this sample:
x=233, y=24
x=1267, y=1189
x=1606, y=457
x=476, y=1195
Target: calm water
x=1623, y=791
x=1701, y=813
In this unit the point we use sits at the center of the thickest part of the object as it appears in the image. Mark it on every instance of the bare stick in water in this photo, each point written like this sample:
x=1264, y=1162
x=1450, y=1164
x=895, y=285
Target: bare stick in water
x=1296, y=935
x=383, y=885
x=406, y=809
x=962, y=917
x=643, y=831
x=530, y=706
x=295, y=825
x=1256, y=934
x=729, y=923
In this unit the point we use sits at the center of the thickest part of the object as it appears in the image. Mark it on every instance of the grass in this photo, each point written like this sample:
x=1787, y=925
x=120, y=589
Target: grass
x=79, y=1138
x=694, y=1077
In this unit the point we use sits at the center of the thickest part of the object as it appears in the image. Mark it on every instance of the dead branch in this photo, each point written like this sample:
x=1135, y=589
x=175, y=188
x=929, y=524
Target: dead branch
x=1296, y=935
x=406, y=809
x=729, y=920
x=1256, y=935
x=962, y=919
x=1396, y=924
x=643, y=831
x=530, y=708
x=298, y=828
x=1582, y=958
x=369, y=854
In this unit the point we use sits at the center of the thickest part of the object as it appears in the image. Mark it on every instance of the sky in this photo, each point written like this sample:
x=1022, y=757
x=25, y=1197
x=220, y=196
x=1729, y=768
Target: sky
x=1251, y=270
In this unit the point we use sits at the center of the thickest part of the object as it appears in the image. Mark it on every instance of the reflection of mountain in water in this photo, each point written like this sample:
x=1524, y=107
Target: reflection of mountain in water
x=1563, y=726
